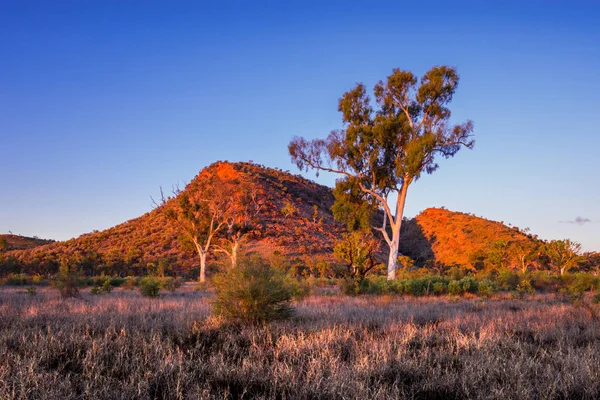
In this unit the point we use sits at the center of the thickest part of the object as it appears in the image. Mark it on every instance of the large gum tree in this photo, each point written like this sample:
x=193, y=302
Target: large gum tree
x=383, y=149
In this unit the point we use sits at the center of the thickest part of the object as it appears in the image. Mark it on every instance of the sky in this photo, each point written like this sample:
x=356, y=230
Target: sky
x=103, y=102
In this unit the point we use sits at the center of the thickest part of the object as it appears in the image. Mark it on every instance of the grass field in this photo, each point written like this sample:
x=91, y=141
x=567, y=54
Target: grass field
x=124, y=346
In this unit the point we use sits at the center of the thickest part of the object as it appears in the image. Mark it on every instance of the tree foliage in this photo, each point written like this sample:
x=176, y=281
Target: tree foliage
x=220, y=206
x=563, y=254
x=383, y=150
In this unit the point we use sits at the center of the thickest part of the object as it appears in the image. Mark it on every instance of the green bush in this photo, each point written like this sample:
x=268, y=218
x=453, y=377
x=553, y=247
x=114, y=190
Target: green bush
x=150, y=286
x=455, y=288
x=67, y=279
x=507, y=279
x=107, y=286
x=171, y=284
x=396, y=287
x=301, y=288
x=468, y=284
x=416, y=287
x=32, y=291
x=440, y=288
x=596, y=298
x=253, y=292
x=584, y=282
x=525, y=288
x=486, y=288
x=16, y=280
x=349, y=286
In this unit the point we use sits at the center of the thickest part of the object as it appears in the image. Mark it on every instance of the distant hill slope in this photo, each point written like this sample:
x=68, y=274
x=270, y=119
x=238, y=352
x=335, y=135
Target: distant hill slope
x=150, y=237
x=451, y=237
x=435, y=234
x=17, y=242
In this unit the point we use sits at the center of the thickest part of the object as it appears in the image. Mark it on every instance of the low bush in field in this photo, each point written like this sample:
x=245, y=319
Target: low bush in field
x=150, y=286
x=253, y=292
x=67, y=279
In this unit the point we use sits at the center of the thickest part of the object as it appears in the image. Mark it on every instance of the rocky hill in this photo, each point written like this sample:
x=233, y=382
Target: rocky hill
x=455, y=238
x=307, y=232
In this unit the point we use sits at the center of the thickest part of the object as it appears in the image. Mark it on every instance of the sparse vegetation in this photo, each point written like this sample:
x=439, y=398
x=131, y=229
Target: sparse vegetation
x=122, y=345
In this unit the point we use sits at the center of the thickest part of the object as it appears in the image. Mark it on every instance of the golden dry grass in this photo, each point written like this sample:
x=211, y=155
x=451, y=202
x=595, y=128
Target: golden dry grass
x=123, y=346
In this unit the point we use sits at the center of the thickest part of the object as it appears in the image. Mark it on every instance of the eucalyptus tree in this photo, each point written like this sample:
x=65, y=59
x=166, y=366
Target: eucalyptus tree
x=382, y=150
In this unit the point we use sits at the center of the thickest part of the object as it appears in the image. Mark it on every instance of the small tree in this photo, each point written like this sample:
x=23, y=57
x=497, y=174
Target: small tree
x=241, y=221
x=357, y=250
x=526, y=253
x=67, y=279
x=383, y=151
x=563, y=254
x=209, y=204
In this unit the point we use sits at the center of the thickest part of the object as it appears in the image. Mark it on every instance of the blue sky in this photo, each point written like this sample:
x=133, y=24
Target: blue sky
x=103, y=102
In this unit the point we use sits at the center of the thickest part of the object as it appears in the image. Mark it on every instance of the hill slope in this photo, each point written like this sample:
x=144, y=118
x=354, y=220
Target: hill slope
x=452, y=238
x=10, y=242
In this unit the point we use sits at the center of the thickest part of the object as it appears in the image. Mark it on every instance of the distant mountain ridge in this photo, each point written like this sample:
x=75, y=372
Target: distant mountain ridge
x=10, y=242
x=308, y=234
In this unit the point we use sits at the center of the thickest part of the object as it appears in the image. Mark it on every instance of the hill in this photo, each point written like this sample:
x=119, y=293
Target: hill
x=455, y=238
x=131, y=246
x=10, y=242
x=306, y=235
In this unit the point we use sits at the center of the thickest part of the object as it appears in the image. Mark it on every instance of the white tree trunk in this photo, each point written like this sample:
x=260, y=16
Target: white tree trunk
x=393, y=259
x=202, y=254
x=234, y=250
x=202, y=277
x=396, y=224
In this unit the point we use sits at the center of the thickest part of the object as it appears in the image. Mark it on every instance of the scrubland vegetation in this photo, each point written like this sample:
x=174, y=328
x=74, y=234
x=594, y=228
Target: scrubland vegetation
x=122, y=345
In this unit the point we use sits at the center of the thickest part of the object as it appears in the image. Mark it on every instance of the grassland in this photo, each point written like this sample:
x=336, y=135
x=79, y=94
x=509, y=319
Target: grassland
x=123, y=346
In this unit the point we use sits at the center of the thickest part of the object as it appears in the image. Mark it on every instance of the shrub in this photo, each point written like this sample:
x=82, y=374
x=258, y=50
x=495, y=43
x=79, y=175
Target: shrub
x=468, y=284
x=32, y=291
x=455, y=288
x=416, y=287
x=171, y=284
x=16, y=279
x=396, y=287
x=525, y=288
x=596, y=298
x=95, y=290
x=107, y=286
x=129, y=283
x=584, y=282
x=301, y=288
x=67, y=279
x=486, y=288
x=440, y=288
x=149, y=287
x=253, y=292
x=36, y=280
x=572, y=294
x=507, y=279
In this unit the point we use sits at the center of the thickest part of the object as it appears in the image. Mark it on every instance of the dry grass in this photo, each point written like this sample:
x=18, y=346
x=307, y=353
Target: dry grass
x=123, y=346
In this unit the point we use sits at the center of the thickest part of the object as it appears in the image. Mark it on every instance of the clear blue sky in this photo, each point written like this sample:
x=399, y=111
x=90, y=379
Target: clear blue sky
x=103, y=102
